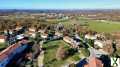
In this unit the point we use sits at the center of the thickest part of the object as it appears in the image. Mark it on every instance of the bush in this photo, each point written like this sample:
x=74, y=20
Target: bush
x=72, y=65
x=76, y=58
x=85, y=52
x=72, y=51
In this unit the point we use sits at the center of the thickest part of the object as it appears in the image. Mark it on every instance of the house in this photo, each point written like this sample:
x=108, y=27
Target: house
x=71, y=41
x=12, y=52
x=41, y=31
x=94, y=62
x=8, y=31
x=118, y=43
x=31, y=32
x=18, y=28
x=58, y=34
x=31, y=29
x=90, y=62
x=108, y=46
x=100, y=36
x=2, y=39
x=68, y=40
x=92, y=37
x=98, y=43
x=44, y=36
x=77, y=39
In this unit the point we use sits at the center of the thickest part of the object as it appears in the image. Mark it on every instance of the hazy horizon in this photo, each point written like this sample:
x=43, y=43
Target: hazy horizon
x=59, y=4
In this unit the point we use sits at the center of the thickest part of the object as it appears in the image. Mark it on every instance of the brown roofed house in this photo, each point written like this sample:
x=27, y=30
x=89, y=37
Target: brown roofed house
x=94, y=62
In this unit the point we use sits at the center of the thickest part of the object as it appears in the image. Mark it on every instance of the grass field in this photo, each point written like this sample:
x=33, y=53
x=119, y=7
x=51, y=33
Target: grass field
x=104, y=27
x=50, y=54
x=99, y=26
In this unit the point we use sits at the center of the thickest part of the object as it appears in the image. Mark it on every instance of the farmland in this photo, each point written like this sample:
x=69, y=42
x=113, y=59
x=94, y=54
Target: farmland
x=104, y=27
x=96, y=25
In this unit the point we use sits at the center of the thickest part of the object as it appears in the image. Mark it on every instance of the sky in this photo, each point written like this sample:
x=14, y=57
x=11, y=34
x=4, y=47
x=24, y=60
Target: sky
x=59, y=4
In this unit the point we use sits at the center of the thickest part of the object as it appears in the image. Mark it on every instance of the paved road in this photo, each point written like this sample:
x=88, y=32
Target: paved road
x=41, y=57
x=96, y=53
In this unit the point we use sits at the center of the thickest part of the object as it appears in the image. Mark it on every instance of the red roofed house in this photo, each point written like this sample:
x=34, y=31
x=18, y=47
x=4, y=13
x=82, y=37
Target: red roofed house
x=94, y=62
x=31, y=32
x=2, y=39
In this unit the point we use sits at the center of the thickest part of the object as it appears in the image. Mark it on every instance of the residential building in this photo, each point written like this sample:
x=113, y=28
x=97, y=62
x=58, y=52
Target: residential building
x=72, y=41
x=2, y=39
x=92, y=37
x=31, y=32
x=90, y=62
x=68, y=40
x=44, y=36
x=98, y=44
x=94, y=62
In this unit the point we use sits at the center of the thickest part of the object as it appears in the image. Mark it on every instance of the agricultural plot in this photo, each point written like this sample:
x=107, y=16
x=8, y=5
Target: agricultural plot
x=95, y=25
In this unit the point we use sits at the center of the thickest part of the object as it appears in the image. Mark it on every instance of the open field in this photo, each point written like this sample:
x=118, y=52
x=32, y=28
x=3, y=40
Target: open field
x=104, y=27
x=99, y=26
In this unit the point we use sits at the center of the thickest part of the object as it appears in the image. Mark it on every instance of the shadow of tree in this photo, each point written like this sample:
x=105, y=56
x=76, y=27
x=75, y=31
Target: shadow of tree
x=106, y=60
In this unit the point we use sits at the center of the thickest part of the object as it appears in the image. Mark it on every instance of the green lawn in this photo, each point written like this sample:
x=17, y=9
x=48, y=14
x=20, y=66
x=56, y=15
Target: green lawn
x=50, y=54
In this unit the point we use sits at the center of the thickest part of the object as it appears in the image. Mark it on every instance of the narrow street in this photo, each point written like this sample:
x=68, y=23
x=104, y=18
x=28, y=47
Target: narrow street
x=40, y=59
x=41, y=56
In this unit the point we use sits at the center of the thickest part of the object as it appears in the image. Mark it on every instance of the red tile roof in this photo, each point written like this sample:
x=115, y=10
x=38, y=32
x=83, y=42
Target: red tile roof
x=7, y=51
x=2, y=37
x=94, y=62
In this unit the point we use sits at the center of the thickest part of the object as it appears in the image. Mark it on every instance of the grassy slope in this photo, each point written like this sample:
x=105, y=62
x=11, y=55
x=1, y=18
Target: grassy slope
x=50, y=54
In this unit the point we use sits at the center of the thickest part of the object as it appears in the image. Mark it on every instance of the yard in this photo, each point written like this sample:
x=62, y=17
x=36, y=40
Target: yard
x=50, y=54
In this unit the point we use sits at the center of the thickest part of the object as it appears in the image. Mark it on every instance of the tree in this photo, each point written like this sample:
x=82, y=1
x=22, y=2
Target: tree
x=38, y=38
x=72, y=51
x=114, y=46
x=91, y=42
x=105, y=60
